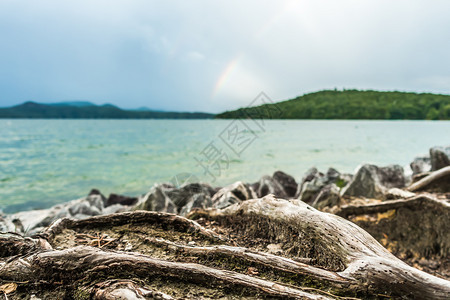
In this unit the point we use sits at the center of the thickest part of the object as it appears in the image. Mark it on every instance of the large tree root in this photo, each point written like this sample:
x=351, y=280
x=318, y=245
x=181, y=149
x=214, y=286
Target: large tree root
x=322, y=256
x=430, y=179
x=414, y=229
x=276, y=262
x=73, y=264
x=124, y=289
x=337, y=243
x=420, y=200
x=163, y=220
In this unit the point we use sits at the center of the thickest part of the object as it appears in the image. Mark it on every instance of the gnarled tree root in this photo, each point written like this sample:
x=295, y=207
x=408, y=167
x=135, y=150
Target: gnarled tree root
x=419, y=200
x=344, y=259
x=123, y=289
x=426, y=181
x=163, y=220
x=415, y=228
x=73, y=264
x=357, y=254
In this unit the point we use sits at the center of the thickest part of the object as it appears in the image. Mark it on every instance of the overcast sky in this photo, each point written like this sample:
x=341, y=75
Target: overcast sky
x=217, y=55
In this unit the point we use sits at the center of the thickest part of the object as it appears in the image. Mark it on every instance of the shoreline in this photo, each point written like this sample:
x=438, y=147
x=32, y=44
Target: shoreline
x=272, y=238
x=315, y=188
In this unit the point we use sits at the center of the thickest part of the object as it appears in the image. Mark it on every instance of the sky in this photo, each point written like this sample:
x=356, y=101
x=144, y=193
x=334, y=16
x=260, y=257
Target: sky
x=217, y=55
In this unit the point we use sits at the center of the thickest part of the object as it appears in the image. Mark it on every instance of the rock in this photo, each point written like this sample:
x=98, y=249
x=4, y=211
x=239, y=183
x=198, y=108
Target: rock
x=91, y=205
x=314, y=181
x=440, y=157
x=157, y=200
x=311, y=174
x=31, y=219
x=332, y=175
x=196, y=201
x=328, y=196
x=280, y=184
x=120, y=199
x=96, y=192
x=234, y=193
x=267, y=185
x=287, y=182
x=54, y=213
x=115, y=208
x=182, y=195
x=420, y=165
x=311, y=189
x=371, y=181
x=7, y=224
x=168, y=198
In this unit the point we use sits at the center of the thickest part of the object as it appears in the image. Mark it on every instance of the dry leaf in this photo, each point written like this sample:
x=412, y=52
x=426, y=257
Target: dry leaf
x=8, y=288
x=390, y=214
x=252, y=271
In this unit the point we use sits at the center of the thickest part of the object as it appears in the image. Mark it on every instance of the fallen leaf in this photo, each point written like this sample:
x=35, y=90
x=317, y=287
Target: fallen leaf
x=390, y=214
x=8, y=288
x=252, y=271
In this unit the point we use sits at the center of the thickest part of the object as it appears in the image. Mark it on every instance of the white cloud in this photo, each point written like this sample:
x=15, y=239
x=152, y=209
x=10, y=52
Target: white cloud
x=177, y=54
x=194, y=56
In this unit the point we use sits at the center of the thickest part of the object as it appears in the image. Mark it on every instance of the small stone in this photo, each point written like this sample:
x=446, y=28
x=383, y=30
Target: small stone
x=275, y=248
x=128, y=246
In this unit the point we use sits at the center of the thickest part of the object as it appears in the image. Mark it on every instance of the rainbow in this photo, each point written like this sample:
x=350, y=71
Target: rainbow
x=233, y=64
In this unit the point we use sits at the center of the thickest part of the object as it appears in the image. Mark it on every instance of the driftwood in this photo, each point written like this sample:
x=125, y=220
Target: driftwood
x=414, y=228
x=164, y=220
x=337, y=243
x=321, y=256
x=433, y=177
x=415, y=201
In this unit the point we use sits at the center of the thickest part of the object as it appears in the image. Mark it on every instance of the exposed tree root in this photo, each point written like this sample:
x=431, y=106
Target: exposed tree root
x=269, y=260
x=322, y=256
x=73, y=264
x=163, y=220
x=419, y=200
x=124, y=289
x=428, y=180
x=364, y=260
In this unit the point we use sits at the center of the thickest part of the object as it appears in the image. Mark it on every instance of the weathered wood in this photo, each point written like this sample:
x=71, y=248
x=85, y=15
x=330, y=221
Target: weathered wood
x=345, y=259
x=364, y=259
x=13, y=244
x=73, y=264
x=132, y=218
x=273, y=261
x=124, y=289
x=433, y=177
x=348, y=210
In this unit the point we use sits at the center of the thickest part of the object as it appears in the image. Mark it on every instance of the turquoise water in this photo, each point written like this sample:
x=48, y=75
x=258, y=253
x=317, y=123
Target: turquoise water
x=44, y=162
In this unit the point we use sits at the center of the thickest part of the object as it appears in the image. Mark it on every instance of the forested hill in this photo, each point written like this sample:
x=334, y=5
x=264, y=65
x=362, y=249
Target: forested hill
x=352, y=104
x=87, y=110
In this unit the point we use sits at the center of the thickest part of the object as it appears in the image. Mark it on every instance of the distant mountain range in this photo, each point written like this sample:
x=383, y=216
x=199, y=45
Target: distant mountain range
x=351, y=104
x=88, y=110
x=327, y=104
x=72, y=103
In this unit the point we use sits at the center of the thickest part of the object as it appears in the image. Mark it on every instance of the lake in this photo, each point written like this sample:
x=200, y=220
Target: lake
x=44, y=162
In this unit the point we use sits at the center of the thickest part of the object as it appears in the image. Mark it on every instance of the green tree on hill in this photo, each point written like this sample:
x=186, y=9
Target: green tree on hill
x=354, y=104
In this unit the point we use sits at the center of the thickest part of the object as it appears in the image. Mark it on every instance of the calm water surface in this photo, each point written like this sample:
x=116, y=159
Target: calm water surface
x=44, y=162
